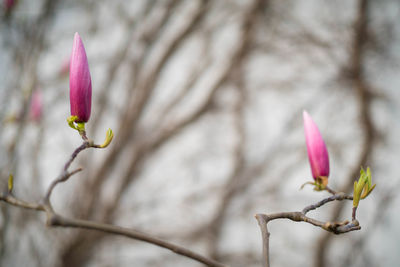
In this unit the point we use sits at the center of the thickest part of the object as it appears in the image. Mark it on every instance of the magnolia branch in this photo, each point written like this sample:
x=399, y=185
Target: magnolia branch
x=337, y=196
x=65, y=174
x=301, y=216
x=57, y=220
x=54, y=219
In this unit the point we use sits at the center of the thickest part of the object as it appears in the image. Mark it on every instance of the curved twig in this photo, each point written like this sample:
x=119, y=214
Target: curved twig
x=65, y=174
x=297, y=216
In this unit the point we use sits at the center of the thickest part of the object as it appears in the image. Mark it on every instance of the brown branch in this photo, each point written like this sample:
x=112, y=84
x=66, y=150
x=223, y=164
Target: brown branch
x=53, y=219
x=65, y=174
x=10, y=199
x=339, y=197
x=57, y=220
x=87, y=143
x=60, y=179
x=297, y=216
x=262, y=220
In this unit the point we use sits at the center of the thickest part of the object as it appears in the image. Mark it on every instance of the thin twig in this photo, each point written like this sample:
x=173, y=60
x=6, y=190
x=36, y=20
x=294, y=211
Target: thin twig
x=330, y=190
x=10, y=199
x=333, y=227
x=65, y=174
x=353, y=214
x=340, y=196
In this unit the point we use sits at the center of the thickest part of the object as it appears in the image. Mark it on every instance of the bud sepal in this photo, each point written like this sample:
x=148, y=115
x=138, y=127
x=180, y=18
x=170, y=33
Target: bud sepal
x=79, y=126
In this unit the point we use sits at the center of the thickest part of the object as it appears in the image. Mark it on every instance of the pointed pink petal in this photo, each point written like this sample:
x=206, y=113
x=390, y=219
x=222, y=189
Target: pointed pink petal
x=316, y=148
x=80, y=83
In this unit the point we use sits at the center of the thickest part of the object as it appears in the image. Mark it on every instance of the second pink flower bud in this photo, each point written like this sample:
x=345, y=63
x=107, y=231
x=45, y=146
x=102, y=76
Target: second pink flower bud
x=316, y=150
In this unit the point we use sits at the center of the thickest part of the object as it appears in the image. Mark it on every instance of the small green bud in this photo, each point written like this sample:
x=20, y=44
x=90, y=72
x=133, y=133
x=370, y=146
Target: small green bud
x=109, y=137
x=10, y=183
x=363, y=187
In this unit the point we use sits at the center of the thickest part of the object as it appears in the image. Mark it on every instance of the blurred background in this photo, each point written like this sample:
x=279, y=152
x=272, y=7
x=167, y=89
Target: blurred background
x=205, y=99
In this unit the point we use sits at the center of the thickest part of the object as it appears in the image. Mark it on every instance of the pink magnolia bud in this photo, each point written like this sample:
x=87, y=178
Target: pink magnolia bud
x=36, y=107
x=316, y=149
x=80, y=83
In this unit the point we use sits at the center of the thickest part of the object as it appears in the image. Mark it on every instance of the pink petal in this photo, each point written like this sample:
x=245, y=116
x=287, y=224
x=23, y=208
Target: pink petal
x=80, y=83
x=316, y=148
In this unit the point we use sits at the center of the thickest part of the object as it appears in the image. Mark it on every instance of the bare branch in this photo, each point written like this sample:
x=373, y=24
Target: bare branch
x=335, y=227
x=340, y=196
x=10, y=199
x=262, y=220
x=57, y=220
x=65, y=174
x=54, y=219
